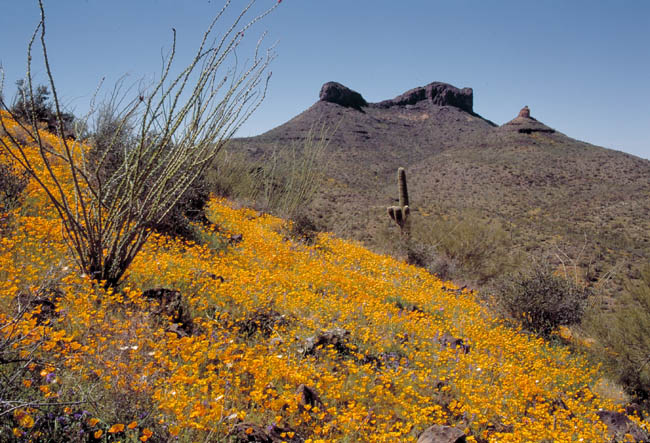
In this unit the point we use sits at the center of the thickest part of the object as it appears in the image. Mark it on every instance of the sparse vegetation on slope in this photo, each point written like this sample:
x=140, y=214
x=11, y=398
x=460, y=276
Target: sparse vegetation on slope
x=623, y=338
x=268, y=337
x=541, y=190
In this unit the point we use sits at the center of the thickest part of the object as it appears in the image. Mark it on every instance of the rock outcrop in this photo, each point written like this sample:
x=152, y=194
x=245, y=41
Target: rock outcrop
x=437, y=93
x=334, y=92
x=618, y=426
x=525, y=112
x=525, y=124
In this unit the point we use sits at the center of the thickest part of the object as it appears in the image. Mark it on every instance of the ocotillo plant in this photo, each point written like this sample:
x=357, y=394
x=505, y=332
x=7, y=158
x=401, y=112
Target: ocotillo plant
x=399, y=214
x=179, y=124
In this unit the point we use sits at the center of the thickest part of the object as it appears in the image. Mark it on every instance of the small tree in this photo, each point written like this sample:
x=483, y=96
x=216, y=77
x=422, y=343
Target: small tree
x=542, y=300
x=37, y=105
x=179, y=125
x=623, y=337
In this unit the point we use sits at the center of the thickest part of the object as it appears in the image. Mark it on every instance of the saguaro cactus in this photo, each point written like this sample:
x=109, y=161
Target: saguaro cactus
x=399, y=214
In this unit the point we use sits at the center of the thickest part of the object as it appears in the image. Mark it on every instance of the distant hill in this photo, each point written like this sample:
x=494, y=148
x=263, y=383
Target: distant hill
x=549, y=191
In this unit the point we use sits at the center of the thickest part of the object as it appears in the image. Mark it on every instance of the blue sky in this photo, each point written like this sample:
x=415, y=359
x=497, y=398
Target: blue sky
x=583, y=67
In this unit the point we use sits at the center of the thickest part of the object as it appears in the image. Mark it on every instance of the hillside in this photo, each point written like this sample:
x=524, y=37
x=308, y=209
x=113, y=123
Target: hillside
x=252, y=335
x=549, y=193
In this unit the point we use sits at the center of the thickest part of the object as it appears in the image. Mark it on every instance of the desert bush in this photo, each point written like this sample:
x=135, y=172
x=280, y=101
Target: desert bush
x=622, y=337
x=12, y=185
x=234, y=175
x=181, y=122
x=542, y=300
x=110, y=139
x=282, y=182
x=460, y=246
x=291, y=177
x=35, y=106
x=302, y=228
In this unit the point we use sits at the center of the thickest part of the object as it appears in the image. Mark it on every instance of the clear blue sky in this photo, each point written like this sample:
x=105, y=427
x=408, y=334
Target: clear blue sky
x=583, y=67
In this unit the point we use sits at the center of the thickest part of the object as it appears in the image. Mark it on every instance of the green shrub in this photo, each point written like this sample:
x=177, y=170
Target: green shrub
x=12, y=185
x=36, y=106
x=460, y=246
x=282, y=182
x=302, y=228
x=542, y=300
x=233, y=174
x=623, y=337
x=291, y=176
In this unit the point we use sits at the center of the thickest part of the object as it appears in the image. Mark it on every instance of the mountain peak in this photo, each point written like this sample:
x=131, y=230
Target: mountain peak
x=334, y=92
x=525, y=124
x=437, y=93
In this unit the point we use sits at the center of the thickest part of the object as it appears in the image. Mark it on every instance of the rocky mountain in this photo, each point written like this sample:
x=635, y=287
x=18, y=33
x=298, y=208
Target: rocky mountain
x=546, y=189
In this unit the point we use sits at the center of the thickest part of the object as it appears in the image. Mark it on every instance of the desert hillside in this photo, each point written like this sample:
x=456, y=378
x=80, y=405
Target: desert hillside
x=548, y=194
x=252, y=334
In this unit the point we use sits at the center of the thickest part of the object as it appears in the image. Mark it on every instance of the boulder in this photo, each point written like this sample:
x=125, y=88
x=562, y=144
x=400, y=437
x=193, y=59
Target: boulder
x=263, y=321
x=618, y=425
x=172, y=304
x=442, y=434
x=307, y=396
x=447, y=340
x=334, y=92
x=46, y=297
x=337, y=338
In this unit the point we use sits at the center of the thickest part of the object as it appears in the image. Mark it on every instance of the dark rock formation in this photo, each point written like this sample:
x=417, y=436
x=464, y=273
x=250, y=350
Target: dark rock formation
x=437, y=93
x=525, y=124
x=441, y=94
x=249, y=432
x=263, y=321
x=525, y=112
x=307, y=396
x=334, y=92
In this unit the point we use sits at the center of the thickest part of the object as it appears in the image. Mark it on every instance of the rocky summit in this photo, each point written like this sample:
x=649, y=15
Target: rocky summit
x=525, y=124
x=437, y=93
x=334, y=92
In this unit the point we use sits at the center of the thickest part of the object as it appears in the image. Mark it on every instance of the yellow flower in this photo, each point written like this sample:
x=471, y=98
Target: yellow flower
x=174, y=430
x=146, y=434
x=118, y=427
x=26, y=421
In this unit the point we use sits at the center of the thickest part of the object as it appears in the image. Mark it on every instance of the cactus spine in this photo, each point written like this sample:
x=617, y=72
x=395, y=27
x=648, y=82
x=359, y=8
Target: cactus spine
x=399, y=214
